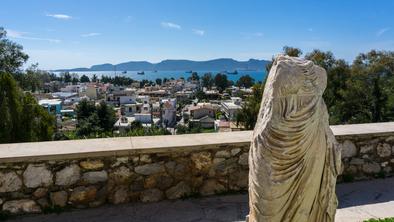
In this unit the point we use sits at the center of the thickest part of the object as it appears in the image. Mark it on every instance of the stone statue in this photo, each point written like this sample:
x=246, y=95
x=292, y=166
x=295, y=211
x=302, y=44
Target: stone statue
x=294, y=159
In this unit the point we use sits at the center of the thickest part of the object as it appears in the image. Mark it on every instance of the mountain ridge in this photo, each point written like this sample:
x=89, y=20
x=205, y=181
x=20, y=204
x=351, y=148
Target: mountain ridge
x=221, y=64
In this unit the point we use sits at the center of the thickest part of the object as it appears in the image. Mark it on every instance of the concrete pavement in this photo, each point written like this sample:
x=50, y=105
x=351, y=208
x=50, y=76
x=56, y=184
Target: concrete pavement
x=357, y=201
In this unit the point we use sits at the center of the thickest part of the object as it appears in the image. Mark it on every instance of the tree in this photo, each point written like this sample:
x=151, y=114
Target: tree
x=292, y=51
x=75, y=78
x=10, y=108
x=200, y=95
x=221, y=81
x=287, y=50
x=194, y=77
x=84, y=78
x=66, y=77
x=207, y=80
x=247, y=117
x=158, y=81
x=38, y=124
x=94, y=78
x=338, y=72
x=106, y=116
x=22, y=119
x=11, y=55
x=370, y=88
x=94, y=120
x=85, y=109
x=245, y=81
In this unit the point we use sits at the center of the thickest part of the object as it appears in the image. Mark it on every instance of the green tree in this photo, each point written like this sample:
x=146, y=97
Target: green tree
x=287, y=50
x=33, y=79
x=370, y=88
x=207, y=80
x=85, y=109
x=66, y=77
x=221, y=81
x=106, y=116
x=158, y=81
x=22, y=119
x=338, y=72
x=11, y=55
x=245, y=81
x=84, y=78
x=94, y=78
x=194, y=77
x=247, y=117
x=94, y=120
x=292, y=51
x=38, y=124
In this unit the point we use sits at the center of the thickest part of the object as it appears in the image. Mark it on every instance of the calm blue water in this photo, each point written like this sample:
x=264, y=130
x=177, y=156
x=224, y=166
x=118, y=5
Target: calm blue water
x=150, y=75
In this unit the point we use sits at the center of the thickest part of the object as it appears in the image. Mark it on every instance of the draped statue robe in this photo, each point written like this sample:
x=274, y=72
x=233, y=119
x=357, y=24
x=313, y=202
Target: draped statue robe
x=294, y=158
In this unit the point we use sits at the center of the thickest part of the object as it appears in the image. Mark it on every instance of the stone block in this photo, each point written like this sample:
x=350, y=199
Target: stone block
x=40, y=192
x=178, y=191
x=202, y=160
x=383, y=150
x=244, y=159
x=59, y=198
x=83, y=195
x=348, y=149
x=371, y=168
x=223, y=154
x=21, y=206
x=149, y=169
x=37, y=176
x=151, y=195
x=92, y=164
x=210, y=187
x=9, y=182
x=93, y=177
x=68, y=176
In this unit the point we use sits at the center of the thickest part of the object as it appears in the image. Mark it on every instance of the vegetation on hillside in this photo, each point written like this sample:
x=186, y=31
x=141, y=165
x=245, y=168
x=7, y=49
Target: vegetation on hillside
x=360, y=92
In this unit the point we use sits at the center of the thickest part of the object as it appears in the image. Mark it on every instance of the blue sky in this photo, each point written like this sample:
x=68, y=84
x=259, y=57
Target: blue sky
x=80, y=33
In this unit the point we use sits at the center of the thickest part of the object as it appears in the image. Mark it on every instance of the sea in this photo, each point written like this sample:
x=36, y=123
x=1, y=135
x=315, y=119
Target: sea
x=152, y=75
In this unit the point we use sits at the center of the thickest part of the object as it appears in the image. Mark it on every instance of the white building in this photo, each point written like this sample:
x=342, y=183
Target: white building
x=168, y=112
x=230, y=109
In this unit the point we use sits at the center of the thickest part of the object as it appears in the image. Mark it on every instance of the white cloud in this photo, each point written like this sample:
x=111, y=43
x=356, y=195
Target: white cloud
x=15, y=34
x=380, y=32
x=60, y=16
x=90, y=34
x=128, y=19
x=198, y=32
x=170, y=25
x=249, y=35
x=23, y=35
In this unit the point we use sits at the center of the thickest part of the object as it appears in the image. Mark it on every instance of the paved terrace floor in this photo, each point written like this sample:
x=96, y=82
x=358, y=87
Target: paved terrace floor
x=357, y=201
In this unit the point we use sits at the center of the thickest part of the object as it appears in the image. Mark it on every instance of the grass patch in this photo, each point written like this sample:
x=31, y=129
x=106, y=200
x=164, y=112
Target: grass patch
x=391, y=219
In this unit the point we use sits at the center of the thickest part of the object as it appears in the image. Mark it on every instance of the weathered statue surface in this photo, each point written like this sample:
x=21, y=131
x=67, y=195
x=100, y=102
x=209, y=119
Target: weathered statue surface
x=294, y=159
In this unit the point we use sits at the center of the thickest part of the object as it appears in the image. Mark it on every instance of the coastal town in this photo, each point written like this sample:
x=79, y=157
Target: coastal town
x=172, y=106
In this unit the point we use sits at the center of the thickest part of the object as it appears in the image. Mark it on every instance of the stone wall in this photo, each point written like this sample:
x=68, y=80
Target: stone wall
x=46, y=183
x=367, y=157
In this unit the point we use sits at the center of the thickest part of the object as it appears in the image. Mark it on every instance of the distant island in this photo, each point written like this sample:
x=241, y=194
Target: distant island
x=178, y=65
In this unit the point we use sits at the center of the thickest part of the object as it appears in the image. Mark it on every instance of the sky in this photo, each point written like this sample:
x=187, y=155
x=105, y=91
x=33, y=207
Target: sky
x=80, y=33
